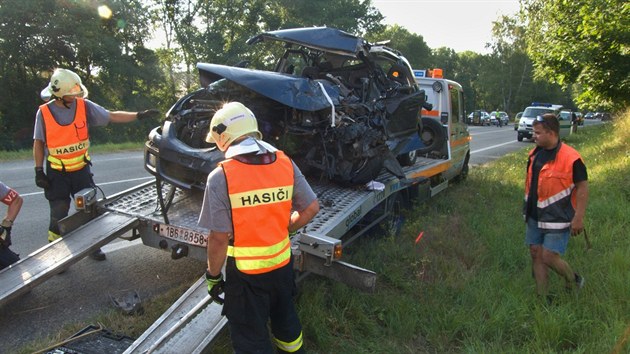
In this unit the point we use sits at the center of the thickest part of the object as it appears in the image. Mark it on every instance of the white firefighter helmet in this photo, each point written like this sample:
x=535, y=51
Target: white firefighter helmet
x=64, y=82
x=231, y=122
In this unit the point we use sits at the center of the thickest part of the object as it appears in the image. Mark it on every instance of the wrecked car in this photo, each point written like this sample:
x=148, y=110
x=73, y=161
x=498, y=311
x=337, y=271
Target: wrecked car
x=342, y=108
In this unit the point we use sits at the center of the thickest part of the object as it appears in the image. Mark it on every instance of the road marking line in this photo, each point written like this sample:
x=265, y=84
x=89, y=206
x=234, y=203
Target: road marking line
x=492, y=147
x=99, y=184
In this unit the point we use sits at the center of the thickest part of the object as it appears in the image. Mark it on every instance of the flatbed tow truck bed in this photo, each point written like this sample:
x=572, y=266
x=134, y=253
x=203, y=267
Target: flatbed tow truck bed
x=192, y=322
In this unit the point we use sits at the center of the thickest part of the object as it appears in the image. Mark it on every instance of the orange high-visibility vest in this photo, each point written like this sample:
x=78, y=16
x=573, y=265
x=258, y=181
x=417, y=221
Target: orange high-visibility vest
x=556, y=201
x=260, y=200
x=67, y=144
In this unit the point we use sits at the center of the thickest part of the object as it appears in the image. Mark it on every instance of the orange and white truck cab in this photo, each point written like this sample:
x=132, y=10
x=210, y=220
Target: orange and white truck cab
x=445, y=121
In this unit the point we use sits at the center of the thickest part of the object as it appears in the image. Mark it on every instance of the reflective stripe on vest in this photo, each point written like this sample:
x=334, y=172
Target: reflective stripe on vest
x=556, y=201
x=260, y=201
x=67, y=144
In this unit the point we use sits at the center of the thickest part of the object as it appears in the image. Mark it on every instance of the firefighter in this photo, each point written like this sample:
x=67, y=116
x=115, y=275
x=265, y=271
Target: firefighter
x=247, y=209
x=61, y=139
x=13, y=201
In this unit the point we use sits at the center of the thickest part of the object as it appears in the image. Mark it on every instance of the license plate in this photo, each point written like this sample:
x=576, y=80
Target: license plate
x=183, y=235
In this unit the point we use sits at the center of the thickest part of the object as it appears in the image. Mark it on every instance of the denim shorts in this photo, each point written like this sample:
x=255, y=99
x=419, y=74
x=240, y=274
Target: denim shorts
x=554, y=241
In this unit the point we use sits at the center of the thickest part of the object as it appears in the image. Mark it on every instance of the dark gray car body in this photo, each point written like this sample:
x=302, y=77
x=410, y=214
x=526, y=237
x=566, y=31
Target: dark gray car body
x=343, y=109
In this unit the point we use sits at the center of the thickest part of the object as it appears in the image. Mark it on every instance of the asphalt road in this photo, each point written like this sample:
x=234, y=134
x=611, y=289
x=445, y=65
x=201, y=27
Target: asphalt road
x=84, y=289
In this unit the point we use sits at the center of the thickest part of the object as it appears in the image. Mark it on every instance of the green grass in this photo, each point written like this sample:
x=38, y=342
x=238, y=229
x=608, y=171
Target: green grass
x=466, y=287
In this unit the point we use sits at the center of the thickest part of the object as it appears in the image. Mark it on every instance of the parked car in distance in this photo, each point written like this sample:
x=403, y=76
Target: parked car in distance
x=589, y=115
x=480, y=117
x=602, y=115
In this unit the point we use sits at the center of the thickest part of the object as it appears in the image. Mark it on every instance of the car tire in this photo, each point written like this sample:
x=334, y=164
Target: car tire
x=519, y=137
x=433, y=136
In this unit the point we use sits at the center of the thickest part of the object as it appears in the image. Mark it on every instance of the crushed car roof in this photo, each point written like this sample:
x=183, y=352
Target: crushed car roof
x=296, y=92
x=322, y=38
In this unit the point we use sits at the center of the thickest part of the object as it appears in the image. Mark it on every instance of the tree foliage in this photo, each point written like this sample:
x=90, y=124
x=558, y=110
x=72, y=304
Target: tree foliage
x=577, y=48
x=107, y=52
x=584, y=44
x=410, y=44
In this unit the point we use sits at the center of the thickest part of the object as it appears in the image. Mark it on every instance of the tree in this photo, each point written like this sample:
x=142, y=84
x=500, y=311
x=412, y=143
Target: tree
x=583, y=42
x=411, y=45
x=106, y=51
x=217, y=31
x=511, y=68
x=354, y=16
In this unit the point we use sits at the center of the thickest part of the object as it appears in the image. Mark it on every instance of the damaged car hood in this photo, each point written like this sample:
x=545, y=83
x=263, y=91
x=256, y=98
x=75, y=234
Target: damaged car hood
x=325, y=39
x=297, y=92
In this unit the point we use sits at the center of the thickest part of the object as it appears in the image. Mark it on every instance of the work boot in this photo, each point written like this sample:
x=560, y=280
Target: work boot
x=579, y=283
x=98, y=255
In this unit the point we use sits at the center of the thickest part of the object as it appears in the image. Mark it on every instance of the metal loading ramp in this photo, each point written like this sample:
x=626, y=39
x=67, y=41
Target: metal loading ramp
x=188, y=326
x=49, y=260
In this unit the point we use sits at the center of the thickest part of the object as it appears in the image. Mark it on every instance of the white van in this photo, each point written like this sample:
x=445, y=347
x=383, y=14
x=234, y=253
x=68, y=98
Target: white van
x=446, y=120
x=525, y=124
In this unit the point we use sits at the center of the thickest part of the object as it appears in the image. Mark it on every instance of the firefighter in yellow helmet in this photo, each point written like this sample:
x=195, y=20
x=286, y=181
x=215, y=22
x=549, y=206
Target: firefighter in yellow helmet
x=61, y=141
x=247, y=207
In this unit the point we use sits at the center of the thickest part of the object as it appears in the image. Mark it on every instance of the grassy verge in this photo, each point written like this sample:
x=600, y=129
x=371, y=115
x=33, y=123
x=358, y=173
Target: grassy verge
x=94, y=149
x=466, y=286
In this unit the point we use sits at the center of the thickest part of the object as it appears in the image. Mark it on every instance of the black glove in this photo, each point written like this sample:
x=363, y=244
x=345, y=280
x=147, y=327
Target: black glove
x=215, y=287
x=5, y=235
x=40, y=178
x=149, y=113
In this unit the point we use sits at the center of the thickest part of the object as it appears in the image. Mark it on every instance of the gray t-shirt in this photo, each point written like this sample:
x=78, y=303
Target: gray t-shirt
x=4, y=190
x=216, y=213
x=96, y=116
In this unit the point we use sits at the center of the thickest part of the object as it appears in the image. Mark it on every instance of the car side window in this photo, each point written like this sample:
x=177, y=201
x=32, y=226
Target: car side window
x=455, y=105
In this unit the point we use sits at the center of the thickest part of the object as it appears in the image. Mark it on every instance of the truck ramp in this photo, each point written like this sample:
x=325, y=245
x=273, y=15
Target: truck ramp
x=188, y=326
x=49, y=260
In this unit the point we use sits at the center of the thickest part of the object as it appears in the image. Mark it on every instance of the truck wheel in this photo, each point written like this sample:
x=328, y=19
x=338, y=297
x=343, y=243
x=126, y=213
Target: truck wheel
x=433, y=136
x=463, y=174
x=519, y=137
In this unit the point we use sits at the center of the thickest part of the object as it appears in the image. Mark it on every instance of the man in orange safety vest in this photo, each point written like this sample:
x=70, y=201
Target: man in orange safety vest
x=556, y=194
x=61, y=140
x=247, y=207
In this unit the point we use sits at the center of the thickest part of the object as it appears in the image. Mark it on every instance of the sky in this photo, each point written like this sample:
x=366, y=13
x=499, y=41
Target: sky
x=458, y=24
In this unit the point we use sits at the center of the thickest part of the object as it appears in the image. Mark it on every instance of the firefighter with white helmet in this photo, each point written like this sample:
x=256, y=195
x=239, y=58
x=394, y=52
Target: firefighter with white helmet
x=61, y=141
x=231, y=122
x=64, y=82
x=247, y=208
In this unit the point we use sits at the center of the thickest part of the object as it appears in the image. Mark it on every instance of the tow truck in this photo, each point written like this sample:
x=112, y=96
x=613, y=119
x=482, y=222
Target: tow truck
x=165, y=217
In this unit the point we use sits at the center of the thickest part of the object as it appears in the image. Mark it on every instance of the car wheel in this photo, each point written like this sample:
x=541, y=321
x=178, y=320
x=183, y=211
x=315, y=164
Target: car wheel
x=519, y=137
x=367, y=170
